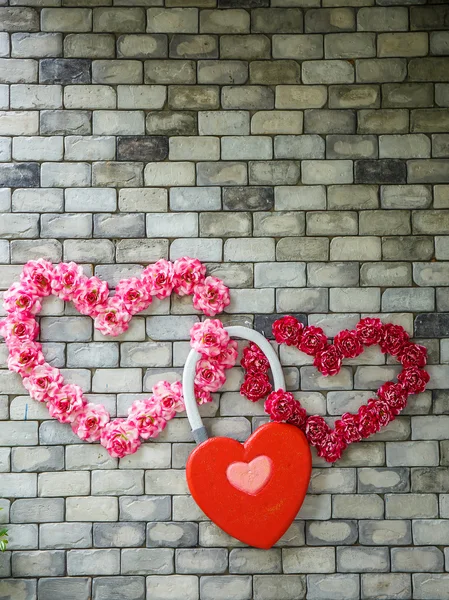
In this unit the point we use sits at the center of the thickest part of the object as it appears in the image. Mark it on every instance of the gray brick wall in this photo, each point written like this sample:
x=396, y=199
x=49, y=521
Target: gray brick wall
x=301, y=149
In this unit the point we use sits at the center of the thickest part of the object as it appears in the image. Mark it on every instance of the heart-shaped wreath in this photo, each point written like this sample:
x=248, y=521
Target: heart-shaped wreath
x=112, y=314
x=391, y=398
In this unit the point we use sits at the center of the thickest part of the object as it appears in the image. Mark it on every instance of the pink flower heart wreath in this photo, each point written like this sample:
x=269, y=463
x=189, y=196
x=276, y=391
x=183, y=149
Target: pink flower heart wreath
x=112, y=314
x=391, y=397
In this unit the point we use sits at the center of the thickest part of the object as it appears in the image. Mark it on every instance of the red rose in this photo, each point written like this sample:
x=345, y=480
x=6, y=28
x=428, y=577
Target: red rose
x=313, y=340
x=414, y=380
x=348, y=343
x=254, y=360
x=328, y=362
x=256, y=386
x=288, y=330
x=394, y=395
x=348, y=428
x=368, y=421
x=280, y=406
x=369, y=331
x=299, y=416
x=316, y=430
x=413, y=355
x=382, y=410
x=393, y=339
x=331, y=447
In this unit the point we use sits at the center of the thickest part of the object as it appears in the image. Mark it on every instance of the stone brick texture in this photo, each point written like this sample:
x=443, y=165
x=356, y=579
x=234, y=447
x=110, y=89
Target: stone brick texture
x=301, y=149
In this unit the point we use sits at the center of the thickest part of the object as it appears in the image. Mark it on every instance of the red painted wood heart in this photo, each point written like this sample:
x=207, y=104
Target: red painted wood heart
x=252, y=491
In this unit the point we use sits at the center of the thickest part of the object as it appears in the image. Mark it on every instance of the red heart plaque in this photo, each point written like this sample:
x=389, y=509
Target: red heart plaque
x=252, y=491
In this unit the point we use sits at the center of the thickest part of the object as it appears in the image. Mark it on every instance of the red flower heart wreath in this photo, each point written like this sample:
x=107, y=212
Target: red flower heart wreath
x=391, y=398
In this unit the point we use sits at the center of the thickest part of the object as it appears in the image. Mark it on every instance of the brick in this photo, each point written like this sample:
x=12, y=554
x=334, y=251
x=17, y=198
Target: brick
x=88, y=45
x=376, y=585
x=219, y=587
x=66, y=19
x=327, y=72
x=142, y=46
x=430, y=586
x=223, y=173
x=382, y=19
x=64, y=71
x=193, y=46
x=165, y=71
x=279, y=587
x=308, y=560
x=147, y=561
x=65, y=535
x=430, y=120
x=275, y=73
x=300, y=47
x=108, y=122
x=430, y=222
x=21, y=175
x=416, y=559
x=222, y=71
x=406, y=95
x=354, y=96
x=249, y=97
x=74, y=587
x=37, y=148
x=383, y=121
x=193, y=98
x=163, y=587
x=224, y=21
x=362, y=559
x=93, y=562
x=37, y=45
x=350, y=45
x=106, y=588
x=60, y=174
x=245, y=47
x=380, y=171
x=326, y=20
x=174, y=20
x=300, y=198
x=46, y=563
x=417, y=506
x=36, y=96
x=428, y=69
x=277, y=122
x=297, y=97
x=121, y=20
x=62, y=122
x=19, y=19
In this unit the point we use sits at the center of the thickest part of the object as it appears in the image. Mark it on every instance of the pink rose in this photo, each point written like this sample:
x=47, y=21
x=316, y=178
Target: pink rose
x=170, y=398
x=90, y=421
x=209, y=376
x=228, y=356
x=414, y=380
x=19, y=299
x=43, y=383
x=17, y=331
x=133, y=293
x=202, y=396
x=316, y=430
x=147, y=417
x=209, y=338
x=66, y=280
x=393, y=339
x=413, y=355
x=394, y=395
x=112, y=318
x=211, y=296
x=348, y=344
x=159, y=278
x=347, y=428
x=255, y=386
x=25, y=357
x=331, y=446
x=91, y=296
x=188, y=273
x=280, y=405
x=313, y=340
x=37, y=276
x=65, y=405
x=120, y=437
x=329, y=361
x=288, y=330
x=369, y=331
x=254, y=360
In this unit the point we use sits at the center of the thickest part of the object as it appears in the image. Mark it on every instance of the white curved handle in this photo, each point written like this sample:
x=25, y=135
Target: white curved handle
x=198, y=429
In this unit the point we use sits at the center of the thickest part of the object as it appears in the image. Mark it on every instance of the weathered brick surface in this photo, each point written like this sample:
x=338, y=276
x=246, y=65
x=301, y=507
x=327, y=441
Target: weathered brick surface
x=301, y=149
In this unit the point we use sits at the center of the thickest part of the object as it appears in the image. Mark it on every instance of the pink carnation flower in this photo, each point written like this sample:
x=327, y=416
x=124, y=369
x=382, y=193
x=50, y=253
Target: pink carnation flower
x=188, y=273
x=147, y=417
x=228, y=357
x=91, y=296
x=23, y=358
x=43, y=383
x=209, y=376
x=37, y=276
x=66, y=280
x=65, y=405
x=211, y=297
x=120, y=437
x=209, y=338
x=202, y=396
x=18, y=331
x=112, y=318
x=90, y=421
x=159, y=278
x=21, y=300
x=170, y=398
x=134, y=295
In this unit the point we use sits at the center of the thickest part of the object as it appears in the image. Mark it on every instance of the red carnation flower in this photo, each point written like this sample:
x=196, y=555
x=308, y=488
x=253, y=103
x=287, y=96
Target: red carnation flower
x=394, y=395
x=254, y=360
x=348, y=343
x=394, y=337
x=287, y=330
x=414, y=380
x=299, y=416
x=329, y=361
x=256, y=386
x=348, y=428
x=331, y=447
x=382, y=410
x=413, y=355
x=313, y=340
x=368, y=421
x=369, y=331
x=280, y=405
x=316, y=430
